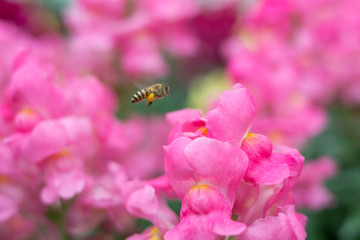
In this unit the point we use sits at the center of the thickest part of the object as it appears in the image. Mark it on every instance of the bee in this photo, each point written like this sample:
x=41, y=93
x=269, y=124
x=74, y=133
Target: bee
x=155, y=91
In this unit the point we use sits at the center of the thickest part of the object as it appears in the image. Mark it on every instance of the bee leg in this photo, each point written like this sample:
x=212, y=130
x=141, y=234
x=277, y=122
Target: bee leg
x=151, y=98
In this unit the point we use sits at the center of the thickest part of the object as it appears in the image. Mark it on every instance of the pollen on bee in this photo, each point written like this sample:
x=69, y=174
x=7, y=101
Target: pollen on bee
x=151, y=97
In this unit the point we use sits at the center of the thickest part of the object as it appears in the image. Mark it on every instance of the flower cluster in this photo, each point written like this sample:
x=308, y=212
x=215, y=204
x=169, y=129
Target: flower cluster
x=71, y=169
x=131, y=35
x=230, y=182
x=61, y=143
x=294, y=58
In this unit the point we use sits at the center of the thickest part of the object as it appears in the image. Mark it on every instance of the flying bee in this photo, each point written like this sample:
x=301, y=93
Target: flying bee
x=155, y=91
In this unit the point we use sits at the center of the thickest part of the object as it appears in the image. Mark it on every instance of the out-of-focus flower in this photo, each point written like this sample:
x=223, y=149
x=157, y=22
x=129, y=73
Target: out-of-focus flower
x=142, y=200
x=61, y=143
x=275, y=84
x=137, y=32
x=309, y=191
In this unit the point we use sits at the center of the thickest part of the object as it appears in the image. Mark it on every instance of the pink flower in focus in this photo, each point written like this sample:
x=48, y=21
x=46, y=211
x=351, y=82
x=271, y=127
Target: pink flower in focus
x=254, y=177
x=287, y=223
x=204, y=161
x=205, y=214
x=235, y=110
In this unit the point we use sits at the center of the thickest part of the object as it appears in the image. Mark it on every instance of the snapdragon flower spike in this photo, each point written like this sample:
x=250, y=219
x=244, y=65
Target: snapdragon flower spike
x=204, y=161
x=205, y=214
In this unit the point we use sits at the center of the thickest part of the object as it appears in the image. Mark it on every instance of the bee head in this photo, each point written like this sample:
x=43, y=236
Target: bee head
x=166, y=88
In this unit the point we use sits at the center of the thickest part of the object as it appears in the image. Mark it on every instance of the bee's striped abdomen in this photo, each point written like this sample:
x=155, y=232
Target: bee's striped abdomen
x=140, y=95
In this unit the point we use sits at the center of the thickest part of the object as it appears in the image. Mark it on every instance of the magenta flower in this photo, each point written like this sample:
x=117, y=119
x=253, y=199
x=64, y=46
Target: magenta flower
x=268, y=166
x=205, y=214
x=204, y=161
x=287, y=223
x=235, y=110
x=217, y=152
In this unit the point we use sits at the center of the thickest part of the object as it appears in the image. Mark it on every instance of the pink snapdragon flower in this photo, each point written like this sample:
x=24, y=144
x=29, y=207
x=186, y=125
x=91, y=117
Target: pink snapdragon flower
x=187, y=164
x=287, y=223
x=235, y=110
x=205, y=214
x=217, y=152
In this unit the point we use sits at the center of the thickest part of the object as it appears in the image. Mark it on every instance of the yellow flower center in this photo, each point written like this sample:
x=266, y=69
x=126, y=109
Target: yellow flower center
x=3, y=179
x=203, y=131
x=27, y=111
x=155, y=234
x=61, y=154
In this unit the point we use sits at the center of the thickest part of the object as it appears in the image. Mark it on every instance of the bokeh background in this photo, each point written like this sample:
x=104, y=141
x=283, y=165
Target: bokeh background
x=222, y=32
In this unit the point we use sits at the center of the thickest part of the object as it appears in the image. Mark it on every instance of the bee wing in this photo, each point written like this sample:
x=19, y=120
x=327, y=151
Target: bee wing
x=142, y=85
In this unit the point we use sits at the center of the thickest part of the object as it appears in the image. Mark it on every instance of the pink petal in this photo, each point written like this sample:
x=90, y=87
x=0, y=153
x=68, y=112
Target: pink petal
x=177, y=168
x=181, y=116
x=47, y=138
x=205, y=214
x=233, y=115
x=220, y=164
x=8, y=207
x=283, y=226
